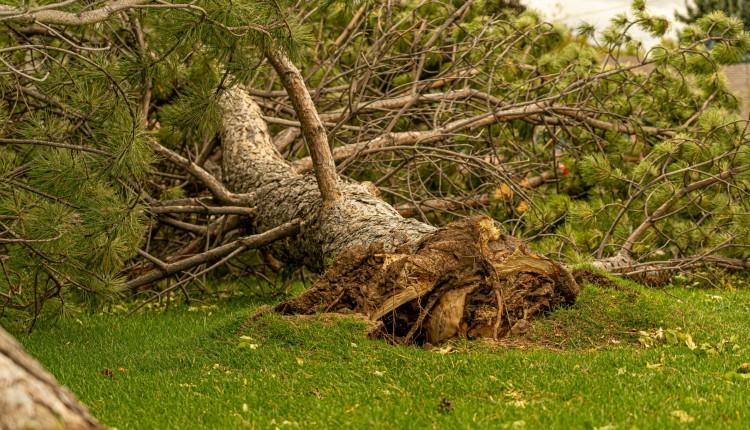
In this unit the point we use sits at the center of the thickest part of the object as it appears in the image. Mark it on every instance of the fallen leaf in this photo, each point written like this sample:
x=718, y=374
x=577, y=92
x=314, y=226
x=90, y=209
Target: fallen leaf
x=447, y=349
x=503, y=192
x=445, y=406
x=683, y=416
x=689, y=342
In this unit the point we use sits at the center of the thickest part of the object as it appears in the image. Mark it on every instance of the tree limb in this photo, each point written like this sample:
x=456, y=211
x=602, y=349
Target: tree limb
x=207, y=210
x=46, y=15
x=247, y=242
x=312, y=127
x=217, y=188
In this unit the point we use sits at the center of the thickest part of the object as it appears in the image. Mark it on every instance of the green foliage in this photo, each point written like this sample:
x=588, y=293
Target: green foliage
x=622, y=130
x=722, y=18
x=734, y=8
x=72, y=217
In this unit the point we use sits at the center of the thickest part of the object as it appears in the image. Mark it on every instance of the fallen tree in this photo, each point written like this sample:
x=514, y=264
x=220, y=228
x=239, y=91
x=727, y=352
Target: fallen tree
x=443, y=113
x=432, y=109
x=421, y=284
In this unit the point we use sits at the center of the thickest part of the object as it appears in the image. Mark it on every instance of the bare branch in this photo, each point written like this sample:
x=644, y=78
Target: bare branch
x=47, y=15
x=248, y=242
x=312, y=127
x=422, y=137
x=208, y=210
x=213, y=184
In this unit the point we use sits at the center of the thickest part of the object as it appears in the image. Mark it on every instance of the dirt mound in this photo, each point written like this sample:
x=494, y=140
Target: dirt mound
x=464, y=280
x=583, y=276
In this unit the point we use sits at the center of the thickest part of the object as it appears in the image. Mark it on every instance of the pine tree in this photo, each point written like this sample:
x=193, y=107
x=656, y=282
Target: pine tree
x=111, y=151
x=695, y=9
x=81, y=104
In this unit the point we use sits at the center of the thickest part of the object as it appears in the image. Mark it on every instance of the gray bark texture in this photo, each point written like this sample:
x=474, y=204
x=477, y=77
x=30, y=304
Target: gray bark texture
x=31, y=398
x=251, y=163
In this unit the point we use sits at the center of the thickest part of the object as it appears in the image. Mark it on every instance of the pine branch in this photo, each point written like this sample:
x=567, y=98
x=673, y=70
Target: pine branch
x=247, y=242
x=662, y=210
x=48, y=15
x=207, y=210
x=312, y=127
x=9, y=141
x=217, y=188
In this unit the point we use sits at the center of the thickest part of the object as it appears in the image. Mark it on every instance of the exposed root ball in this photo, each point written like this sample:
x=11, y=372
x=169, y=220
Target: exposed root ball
x=464, y=280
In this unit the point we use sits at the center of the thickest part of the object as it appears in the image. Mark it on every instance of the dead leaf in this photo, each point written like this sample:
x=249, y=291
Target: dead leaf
x=683, y=416
x=445, y=406
x=503, y=192
x=316, y=392
x=447, y=349
x=689, y=342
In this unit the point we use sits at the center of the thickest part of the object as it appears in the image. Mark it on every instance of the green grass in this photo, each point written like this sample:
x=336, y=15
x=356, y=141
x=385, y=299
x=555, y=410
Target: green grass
x=583, y=367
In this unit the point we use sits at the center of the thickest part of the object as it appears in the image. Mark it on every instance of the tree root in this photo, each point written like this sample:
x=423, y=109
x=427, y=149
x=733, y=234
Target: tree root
x=465, y=280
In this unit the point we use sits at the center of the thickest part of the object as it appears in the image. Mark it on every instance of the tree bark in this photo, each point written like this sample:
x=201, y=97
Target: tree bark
x=416, y=282
x=251, y=163
x=31, y=398
x=312, y=127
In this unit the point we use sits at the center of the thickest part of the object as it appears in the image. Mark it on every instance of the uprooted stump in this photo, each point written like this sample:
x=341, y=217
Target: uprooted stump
x=465, y=280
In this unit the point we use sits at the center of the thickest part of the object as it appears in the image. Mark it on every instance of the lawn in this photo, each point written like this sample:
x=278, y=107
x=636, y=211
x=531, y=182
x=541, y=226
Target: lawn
x=601, y=364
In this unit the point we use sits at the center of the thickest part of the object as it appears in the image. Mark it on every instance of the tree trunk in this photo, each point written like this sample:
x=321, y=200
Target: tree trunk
x=30, y=398
x=418, y=283
x=251, y=163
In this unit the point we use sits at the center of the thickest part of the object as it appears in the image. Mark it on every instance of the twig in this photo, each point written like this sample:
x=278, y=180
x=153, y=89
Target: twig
x=217, y=188
x=209, y=210
x=248, y=242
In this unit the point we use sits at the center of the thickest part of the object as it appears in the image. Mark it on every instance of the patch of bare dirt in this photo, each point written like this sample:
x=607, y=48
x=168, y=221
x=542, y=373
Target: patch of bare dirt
x=583, y=276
